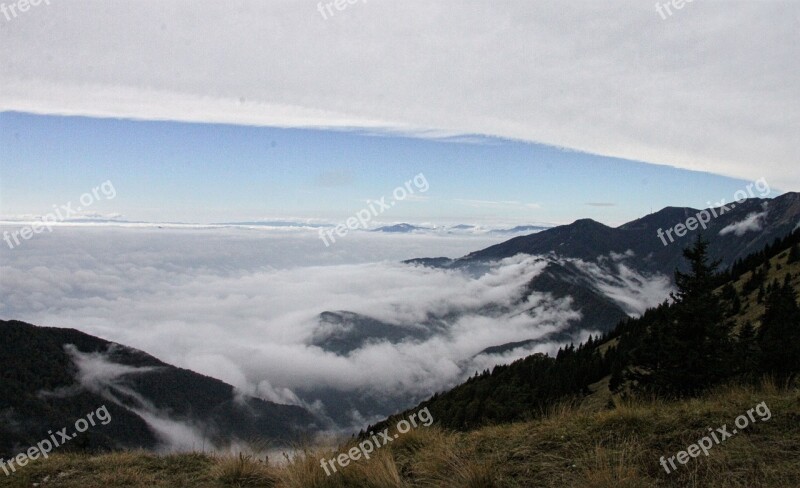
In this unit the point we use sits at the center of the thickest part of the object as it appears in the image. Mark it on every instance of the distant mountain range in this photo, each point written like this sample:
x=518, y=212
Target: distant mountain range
x=294, y=224
x=637, y=246
x=521, y=229
x=760, y=222
x=401, y=228
x=51, y=377
x=460, y=229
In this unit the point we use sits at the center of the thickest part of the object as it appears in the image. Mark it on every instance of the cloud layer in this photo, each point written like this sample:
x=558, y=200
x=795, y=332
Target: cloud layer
x=713, y=87
x=236, y=305
x=752, y=223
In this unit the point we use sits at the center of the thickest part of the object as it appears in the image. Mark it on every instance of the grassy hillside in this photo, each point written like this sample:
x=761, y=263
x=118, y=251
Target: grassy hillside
x=570, y=446
x=775, y=269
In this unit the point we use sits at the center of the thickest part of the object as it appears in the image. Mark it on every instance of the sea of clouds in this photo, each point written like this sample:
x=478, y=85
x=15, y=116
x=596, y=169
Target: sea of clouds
x=242, y=305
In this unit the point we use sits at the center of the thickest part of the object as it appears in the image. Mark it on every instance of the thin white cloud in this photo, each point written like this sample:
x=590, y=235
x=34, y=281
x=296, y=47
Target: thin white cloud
x=712, y=88
x=632, y=291
x=100, y=375
x=752, y=223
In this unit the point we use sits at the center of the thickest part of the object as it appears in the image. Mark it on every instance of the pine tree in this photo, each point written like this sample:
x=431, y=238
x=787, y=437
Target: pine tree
x=690, y=350
x=736, y=305
x=728, y=291
x=617, y=377
x=779, y=336
x=794, y=254
x=747, y=350
x=729, y=295
x=700, y=326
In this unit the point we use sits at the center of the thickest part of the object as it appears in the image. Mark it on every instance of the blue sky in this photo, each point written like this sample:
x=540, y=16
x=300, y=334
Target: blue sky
x=199, y=172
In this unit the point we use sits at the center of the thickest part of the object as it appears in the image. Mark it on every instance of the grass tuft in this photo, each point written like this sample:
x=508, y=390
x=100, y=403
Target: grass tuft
x=244, y=471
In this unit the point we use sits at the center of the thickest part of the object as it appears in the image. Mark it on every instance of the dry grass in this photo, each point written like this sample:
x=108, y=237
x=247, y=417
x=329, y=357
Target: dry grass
x=571, y=446
x=244, y=471
x=751, y=310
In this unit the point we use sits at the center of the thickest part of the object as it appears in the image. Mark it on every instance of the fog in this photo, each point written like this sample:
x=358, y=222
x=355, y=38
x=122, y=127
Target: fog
x=243, y=306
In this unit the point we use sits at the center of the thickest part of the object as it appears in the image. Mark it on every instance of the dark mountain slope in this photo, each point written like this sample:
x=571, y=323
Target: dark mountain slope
x=581, y=239
x=639, y=245
x=40, y=391
x=344, y=332
x=598, y=312
x=586, y=239
x=530, y=386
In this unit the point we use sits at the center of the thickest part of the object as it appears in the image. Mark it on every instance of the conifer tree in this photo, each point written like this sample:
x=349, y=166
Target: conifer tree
x=748, y=350
x=794, y=254
x=691, y=349
x=779, y=336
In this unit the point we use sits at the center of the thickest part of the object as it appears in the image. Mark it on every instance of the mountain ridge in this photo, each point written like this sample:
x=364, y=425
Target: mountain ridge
x=42, y=377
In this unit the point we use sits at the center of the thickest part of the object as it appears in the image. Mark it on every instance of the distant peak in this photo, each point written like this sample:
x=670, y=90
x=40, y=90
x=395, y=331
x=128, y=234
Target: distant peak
x=587, y=222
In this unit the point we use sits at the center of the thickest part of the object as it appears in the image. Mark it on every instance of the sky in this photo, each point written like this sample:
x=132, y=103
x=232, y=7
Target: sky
x=216, y=111
x=208, y=173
